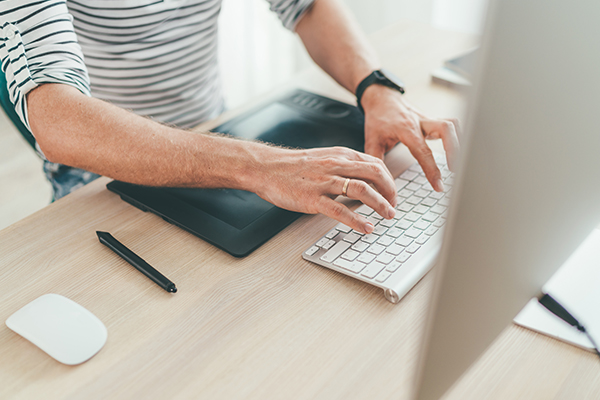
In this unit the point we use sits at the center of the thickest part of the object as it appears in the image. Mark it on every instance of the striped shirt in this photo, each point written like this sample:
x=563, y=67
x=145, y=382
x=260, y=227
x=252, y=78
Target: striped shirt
x=157, y=58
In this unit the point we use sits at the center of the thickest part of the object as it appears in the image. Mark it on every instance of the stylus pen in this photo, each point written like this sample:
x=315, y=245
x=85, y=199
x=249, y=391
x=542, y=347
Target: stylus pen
x=109, y=241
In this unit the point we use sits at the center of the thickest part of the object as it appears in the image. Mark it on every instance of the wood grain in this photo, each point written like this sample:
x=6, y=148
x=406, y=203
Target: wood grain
x=267, y=326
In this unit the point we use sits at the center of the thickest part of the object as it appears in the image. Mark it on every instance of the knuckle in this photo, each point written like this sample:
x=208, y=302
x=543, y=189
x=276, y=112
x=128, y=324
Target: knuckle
x=336, y=210
x=361, y=188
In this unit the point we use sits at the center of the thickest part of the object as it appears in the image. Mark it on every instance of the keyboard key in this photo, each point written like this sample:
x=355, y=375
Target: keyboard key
x=436, y=195
x=364, y=210
x=403, y=224
x=350, y=255
x=375, y=216
x=343, y=228
x=445, y=172
x=388, y=223
x=413, y=186
x=344, y=264
x=422, y=225
x=311, y=251
x=400, y=183
x=382, y=277
x=444, y=202
x=376, y=248
x=421, y=180
x=422, y=239
x=335, y=251
x=409, y=175
x=358, y=266
x=394, y=232
x=421, y=209
x=412, y=233
x=431, y=230
x=438, y=209
x=439, y=222
x=404, y=241
x=413, y=248
x=328, y=245
x=366, y=258
x=395, y=249
x=416, y=168
x=357, y=233
x=422, y=193
x=399, y=215
x=370, y=238
x=379, y=230
x=403, y=257
x=351, y=237
x=429, y=202
x=332, y=233
x=372, y=270
x=360, y=246
x=322, y=242
x=449, y=181
x=405, y=207
x=427, y=186
x=385, y=240
x=393, y=266
x=405, y=193
x=412, y=216
x=430, y=216
x=385, y=258
x=414, y=200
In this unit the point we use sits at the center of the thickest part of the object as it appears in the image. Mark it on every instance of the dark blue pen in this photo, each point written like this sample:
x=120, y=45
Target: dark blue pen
x=109, y=241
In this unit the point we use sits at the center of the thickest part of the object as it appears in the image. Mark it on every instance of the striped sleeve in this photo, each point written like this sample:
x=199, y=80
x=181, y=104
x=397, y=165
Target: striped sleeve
x=38, y=45
x=290, y=11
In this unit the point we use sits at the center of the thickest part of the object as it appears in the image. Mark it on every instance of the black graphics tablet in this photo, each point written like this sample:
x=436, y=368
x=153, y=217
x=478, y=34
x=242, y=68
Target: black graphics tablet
x=235, y=220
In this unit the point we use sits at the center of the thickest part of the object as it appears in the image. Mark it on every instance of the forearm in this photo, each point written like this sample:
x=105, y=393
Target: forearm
x=88, y=133
x=336, y=43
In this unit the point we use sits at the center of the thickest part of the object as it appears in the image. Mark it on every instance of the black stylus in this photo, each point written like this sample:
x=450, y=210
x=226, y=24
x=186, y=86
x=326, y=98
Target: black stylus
x=109, y=241
x=555, y=308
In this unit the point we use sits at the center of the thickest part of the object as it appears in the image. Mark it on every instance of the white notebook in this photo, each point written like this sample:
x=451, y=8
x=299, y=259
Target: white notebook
x=576, y=286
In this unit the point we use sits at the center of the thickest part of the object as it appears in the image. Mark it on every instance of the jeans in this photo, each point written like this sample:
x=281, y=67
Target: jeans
x=65, y=179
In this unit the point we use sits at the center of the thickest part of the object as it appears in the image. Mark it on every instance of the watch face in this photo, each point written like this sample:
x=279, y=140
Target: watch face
x=392, y=78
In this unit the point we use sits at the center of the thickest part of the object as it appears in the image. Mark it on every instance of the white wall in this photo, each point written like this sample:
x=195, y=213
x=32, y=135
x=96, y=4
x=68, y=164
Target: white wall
x=257, y=53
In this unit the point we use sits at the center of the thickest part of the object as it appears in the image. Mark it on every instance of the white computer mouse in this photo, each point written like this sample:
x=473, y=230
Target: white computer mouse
x=65, y=330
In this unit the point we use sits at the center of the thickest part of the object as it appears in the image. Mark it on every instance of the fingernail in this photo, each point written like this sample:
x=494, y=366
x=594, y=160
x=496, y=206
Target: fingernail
x=391, y=212
x=439, y=185
x=369, y=227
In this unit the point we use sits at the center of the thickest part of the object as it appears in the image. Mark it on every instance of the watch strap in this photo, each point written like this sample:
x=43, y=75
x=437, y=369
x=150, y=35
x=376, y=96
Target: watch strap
x=375, y=77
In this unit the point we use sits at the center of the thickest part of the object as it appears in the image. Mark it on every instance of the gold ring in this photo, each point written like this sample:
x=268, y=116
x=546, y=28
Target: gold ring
x=345, y=188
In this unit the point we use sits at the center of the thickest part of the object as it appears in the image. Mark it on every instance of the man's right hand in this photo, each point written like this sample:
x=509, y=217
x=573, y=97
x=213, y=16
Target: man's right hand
x=308, y=181
x=87, y=133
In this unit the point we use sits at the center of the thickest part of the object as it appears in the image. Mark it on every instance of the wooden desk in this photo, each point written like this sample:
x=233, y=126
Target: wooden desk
x=268, y=326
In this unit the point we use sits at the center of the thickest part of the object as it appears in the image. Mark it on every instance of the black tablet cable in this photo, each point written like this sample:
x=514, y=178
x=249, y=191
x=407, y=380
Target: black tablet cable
x=555, y=308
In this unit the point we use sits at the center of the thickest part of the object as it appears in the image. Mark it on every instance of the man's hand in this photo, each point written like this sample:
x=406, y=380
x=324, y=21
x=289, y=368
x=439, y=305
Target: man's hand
x=309, y=180
x=389, y=120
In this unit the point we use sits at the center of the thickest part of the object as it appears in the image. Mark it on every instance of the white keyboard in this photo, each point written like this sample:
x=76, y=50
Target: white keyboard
x=400, y=251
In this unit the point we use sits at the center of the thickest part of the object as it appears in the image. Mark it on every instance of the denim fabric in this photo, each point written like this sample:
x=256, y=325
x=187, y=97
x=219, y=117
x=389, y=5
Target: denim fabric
x=65, y=179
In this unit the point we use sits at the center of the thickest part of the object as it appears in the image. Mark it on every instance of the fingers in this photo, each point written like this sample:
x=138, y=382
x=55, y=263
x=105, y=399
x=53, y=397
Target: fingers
x=419, y=149
x=445, y=130
x=340, y=212
x=374, y=173
x=360, y=190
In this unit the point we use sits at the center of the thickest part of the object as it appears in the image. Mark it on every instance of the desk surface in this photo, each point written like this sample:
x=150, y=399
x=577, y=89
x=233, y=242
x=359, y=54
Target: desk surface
x=270, y=325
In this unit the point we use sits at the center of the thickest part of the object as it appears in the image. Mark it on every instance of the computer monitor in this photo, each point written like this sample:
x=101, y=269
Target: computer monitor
x=527, y=188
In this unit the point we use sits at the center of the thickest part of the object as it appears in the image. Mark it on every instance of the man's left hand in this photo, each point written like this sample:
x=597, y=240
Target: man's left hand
x=389, y=119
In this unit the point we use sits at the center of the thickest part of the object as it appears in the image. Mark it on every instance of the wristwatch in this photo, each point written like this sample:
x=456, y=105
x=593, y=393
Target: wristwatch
x=379, y=77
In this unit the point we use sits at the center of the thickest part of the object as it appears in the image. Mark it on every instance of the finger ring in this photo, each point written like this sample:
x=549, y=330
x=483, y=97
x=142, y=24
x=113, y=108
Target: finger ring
x=345, y=188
